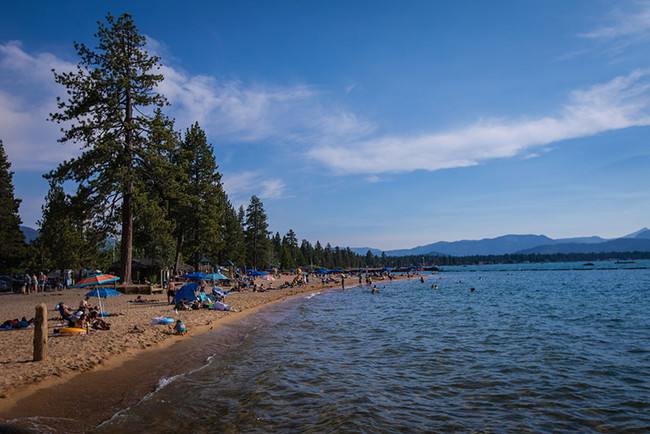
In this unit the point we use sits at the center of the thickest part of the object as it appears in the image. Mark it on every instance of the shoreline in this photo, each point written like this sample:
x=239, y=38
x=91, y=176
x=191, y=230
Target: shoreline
x=151, y=339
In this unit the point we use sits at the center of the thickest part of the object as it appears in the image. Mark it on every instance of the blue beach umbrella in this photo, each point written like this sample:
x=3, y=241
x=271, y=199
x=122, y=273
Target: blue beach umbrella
x=196, y=275
x=103, y=292
x=255, y=273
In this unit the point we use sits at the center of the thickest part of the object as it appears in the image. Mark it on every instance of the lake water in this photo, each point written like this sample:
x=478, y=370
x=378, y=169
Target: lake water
x=526, y=351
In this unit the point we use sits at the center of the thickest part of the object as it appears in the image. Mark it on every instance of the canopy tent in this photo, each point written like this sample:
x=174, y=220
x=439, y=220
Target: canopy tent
x=186, y=291
x=385, y=269
x=322, y=271
x=335, y=271
x=255, y=273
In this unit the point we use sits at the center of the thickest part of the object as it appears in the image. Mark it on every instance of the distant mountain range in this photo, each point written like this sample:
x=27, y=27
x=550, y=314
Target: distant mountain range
x=525, y=244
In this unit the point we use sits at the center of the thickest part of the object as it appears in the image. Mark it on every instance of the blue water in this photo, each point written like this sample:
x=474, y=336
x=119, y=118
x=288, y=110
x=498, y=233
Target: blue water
x=526, y=351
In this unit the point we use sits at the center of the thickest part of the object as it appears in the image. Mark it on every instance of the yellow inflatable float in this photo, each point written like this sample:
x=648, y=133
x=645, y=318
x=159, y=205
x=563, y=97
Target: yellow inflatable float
x=71, y=331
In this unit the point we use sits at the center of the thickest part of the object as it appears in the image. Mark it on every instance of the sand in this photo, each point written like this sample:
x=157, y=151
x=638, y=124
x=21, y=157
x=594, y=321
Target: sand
x=130, y=334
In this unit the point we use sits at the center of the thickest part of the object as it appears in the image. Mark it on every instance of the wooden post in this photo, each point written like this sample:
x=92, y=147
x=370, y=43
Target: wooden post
x=40, y=333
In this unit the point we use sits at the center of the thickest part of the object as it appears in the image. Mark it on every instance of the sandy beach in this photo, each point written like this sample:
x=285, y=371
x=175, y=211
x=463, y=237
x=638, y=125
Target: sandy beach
x=130, y=333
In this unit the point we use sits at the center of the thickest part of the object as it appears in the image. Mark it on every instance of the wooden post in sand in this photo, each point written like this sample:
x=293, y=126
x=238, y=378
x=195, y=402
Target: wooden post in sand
x=40, y=333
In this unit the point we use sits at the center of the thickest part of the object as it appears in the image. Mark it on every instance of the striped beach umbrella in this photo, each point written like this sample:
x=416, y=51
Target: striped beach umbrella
x=96, y=279
x=214, y=276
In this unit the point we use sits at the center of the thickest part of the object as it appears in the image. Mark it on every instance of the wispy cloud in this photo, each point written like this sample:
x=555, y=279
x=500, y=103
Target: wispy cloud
x=27, y=96
x=239, y=112
x=620, y=103
x=230, y=111
x=242, y=185
x=625, y=24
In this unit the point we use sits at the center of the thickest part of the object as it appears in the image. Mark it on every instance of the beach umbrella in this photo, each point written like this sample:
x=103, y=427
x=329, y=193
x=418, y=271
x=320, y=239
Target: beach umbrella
x=385, y=269
x=322, y=271
x=196, y=275
x=215, y=276
x=103, y=292
x=186, y=291
x=96, y=279
x=336, y=271
x=269, y=278
x=255, y=273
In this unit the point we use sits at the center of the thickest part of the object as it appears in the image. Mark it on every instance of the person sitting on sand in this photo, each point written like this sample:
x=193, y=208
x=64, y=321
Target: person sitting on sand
x=181, y=304
x=84, y=304
x=78, y=320
x=179, y=328
x=98, y=323
x=64, y=311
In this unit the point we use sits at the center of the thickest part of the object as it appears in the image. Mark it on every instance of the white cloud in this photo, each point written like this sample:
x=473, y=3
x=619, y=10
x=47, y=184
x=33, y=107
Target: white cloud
x=273, y=189
x=27, y=96
x=620, y=103
x=229, y=111
x=233, y=111
x=632, y=25
x=249, y=183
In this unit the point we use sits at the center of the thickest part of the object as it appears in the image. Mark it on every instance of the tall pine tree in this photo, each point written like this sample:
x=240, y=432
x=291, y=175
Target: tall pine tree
x=200, y=214
x=65, y=239
x=234, y=247
x=110, y=94
x=256, y=234
x=12, y=239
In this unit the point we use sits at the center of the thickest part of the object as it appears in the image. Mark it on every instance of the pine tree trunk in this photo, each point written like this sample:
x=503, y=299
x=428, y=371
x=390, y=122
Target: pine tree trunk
x=126, y=251
x=177, y=261
x=127, y=200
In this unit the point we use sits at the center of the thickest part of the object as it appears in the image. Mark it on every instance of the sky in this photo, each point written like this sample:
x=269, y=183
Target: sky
x=384, y=124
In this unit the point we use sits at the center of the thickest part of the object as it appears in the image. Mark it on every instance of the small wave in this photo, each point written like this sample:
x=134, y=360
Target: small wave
x=40, y=424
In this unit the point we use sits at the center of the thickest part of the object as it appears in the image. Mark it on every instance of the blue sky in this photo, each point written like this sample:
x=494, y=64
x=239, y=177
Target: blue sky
x=387, y=124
